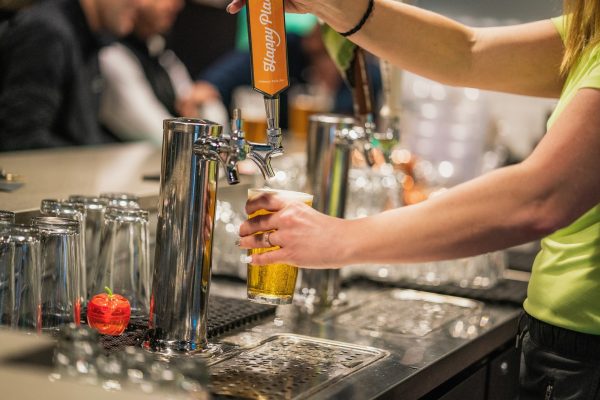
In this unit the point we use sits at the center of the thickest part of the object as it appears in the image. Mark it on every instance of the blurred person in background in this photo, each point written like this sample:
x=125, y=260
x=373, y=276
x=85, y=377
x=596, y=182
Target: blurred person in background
x=50, y=80
x=8, y=8
x=553, y=195
x=146, y=83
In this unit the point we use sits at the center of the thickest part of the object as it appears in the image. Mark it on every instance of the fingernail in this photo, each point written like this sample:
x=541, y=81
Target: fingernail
x=245, y=259
x=228, y=9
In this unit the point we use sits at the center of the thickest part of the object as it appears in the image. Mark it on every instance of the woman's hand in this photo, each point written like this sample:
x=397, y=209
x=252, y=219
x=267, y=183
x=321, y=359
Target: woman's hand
x=306, y=237
x=292, y=6
x=339, y=14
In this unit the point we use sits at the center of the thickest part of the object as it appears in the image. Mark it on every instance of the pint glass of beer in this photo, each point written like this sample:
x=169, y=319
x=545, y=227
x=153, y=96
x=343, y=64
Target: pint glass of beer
x=254, y=117
x=273, y=283
x=304, y=101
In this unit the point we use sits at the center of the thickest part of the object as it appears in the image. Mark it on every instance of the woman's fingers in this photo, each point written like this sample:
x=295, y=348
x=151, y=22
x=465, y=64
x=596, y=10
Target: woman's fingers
x=235, y=6
x=299, y=235
x=265, y=201
x=290, y=6
x=260, y=223
x=260, y=240
x=270, y=257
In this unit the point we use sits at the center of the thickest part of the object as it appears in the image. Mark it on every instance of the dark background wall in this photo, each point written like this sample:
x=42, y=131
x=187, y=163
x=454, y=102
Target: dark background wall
x=201, y=34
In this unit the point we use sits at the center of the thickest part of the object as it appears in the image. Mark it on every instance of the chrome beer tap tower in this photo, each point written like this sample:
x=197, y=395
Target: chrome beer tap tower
x=191, y=153
x=331, y=140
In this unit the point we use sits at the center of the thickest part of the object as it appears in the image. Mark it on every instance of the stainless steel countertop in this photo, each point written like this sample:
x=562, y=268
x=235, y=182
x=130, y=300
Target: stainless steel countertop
x=414, y=367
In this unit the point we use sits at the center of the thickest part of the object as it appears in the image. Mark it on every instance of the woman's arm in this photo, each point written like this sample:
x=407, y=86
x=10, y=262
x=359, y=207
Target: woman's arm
x=513, y=205
x=522, y=59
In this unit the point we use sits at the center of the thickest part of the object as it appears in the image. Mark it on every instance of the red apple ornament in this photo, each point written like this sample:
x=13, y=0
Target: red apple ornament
x=108, y=313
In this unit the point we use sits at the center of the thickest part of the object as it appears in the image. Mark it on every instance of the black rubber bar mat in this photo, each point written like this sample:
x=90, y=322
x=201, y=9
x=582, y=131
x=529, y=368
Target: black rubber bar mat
x=224, y=314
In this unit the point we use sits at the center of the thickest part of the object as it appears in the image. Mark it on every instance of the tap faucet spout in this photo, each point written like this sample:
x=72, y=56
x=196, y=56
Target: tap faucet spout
x=263, y=162
x=260, y=153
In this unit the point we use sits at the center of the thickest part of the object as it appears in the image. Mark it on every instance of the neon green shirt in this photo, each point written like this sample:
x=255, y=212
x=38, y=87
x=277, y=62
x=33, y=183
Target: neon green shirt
x=564, y=289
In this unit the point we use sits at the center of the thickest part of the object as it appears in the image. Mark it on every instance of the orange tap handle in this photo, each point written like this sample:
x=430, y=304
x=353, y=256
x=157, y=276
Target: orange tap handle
x=268, y=46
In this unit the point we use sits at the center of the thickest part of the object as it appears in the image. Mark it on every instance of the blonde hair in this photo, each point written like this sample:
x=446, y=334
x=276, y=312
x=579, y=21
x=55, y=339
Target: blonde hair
x=583, y=30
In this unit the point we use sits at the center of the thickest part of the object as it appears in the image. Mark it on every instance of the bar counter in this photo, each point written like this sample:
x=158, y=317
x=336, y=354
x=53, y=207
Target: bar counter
x=470, y=357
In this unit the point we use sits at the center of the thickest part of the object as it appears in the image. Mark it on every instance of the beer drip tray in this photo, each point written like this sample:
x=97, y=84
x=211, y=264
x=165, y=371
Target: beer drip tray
x=288, y=367
x=402, y=312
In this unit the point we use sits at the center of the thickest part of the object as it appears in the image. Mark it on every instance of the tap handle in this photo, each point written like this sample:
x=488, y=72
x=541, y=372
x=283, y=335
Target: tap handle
x=233, y=177
x=368, y=152
x=236, y=124
x=364, y=143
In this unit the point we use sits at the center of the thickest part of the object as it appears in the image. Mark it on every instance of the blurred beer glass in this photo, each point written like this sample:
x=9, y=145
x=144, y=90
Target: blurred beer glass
x=7, y=218
x=304, y=101
x=251, y=103
x=480, y=272
x=273, y=283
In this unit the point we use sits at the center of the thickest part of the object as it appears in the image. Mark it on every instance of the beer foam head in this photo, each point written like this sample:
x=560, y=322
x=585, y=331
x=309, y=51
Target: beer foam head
x=283, y=194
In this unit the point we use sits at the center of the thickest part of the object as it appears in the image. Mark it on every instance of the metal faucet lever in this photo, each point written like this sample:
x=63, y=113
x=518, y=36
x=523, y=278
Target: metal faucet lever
x=219, y=149
x=231, y=149
x=360, y=137
x=261, y=153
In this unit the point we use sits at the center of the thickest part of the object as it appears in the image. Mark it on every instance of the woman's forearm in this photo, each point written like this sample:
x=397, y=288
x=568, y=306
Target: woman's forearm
x=553, y=187
x=499, y=210
x=409, y=37
x=523, y=59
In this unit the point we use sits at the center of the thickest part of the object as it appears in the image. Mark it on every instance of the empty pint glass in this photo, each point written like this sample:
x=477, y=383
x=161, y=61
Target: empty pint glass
x=20, y=301
x=61, y=299
x=94, y=218
x=273, y=283
x=123, y=263
x=75, y=211
x=121, y=199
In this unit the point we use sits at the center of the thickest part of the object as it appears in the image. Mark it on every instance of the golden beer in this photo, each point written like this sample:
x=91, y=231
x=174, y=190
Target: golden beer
x=272, y=283
x=301, y=107
x=255, y=129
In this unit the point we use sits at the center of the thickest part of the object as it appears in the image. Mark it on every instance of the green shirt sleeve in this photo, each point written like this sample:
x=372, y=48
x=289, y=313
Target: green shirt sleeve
x=592, y=78
x=561, y=26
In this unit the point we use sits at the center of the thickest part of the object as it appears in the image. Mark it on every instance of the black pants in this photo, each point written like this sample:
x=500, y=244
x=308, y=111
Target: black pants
x=558, y=363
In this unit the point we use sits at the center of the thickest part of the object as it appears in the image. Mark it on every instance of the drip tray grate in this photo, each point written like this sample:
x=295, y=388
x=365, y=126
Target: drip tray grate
x=404, y=312
x=288, y=367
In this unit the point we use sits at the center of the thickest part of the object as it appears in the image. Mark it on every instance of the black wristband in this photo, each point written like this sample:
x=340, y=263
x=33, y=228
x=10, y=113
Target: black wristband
x=362, y=20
